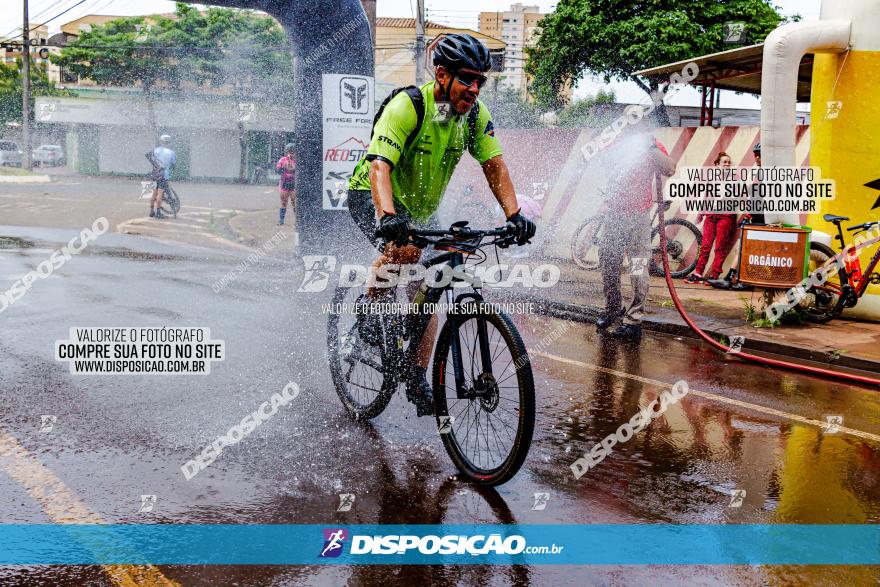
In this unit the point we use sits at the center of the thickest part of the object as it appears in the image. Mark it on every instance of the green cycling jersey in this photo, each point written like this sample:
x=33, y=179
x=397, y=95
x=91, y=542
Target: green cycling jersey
x=421, y=171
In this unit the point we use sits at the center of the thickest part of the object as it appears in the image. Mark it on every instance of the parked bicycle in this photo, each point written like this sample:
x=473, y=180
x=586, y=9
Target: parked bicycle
x=683, y=240
x=844, y=287
x=484, y=394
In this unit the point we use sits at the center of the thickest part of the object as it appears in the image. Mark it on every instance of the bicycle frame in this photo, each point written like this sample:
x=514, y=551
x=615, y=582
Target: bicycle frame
x=856, y=279
x=418, y=322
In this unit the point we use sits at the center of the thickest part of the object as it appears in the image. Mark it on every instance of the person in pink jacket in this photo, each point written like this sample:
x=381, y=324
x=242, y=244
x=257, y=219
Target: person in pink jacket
x=286, y=166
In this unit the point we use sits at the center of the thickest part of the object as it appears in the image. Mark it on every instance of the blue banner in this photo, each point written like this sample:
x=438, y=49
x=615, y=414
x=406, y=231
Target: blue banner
x=606, y=544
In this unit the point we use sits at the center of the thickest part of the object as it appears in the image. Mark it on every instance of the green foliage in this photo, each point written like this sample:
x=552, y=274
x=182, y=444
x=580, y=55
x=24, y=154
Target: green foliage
x=117, y=53
x=11, y=90
x=758, y=318
x=581, y=112
x=615, y=38
x=211, y=48
x=508, y=109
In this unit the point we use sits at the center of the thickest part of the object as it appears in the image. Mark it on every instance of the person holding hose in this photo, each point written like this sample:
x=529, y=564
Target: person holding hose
x=286, y=167
x=639, y=161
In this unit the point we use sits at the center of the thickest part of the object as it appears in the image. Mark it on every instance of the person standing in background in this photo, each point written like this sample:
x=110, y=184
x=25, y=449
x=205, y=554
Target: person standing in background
x=286, y=167
x=718, y=230
x=731, y=281
x=163, y=158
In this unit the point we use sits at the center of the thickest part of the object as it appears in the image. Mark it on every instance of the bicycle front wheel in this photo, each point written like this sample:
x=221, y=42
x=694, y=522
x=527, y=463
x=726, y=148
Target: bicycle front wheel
x=487, y=429
x=683, y=240
x=821, y=302
x=585, y=244
x=170, y=202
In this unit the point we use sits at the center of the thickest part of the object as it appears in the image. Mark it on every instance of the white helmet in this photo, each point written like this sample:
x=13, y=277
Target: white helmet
x=164, y=139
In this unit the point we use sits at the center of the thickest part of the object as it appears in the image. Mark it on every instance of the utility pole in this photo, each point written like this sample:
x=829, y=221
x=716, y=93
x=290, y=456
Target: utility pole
x=26, y=90
x=420, y=42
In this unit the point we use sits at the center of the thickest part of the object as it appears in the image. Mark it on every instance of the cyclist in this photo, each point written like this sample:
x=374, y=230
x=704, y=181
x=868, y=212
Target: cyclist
x=163, y=159
x=286, y=166
x=401, y=179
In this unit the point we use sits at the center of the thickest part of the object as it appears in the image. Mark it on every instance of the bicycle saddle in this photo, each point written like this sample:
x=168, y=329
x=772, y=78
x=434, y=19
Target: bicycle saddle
x=834, y=219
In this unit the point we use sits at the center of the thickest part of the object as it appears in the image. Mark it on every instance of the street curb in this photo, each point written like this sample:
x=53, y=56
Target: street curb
x=25, y=179
x=589, y=314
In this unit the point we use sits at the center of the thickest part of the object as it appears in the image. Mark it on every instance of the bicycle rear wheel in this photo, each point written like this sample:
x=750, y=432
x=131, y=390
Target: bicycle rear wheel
x=487, y=433
x=683, y=240
x=358, y=369
x=585, y=244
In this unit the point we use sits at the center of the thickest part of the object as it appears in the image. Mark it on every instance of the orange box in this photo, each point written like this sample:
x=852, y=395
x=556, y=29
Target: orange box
x=774, y=257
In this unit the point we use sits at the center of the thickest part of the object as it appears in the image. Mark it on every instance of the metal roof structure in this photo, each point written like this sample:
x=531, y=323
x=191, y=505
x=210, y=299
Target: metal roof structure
x=738, y=70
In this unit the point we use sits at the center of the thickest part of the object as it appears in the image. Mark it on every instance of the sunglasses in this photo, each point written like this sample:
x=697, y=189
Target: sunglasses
x=467, y=79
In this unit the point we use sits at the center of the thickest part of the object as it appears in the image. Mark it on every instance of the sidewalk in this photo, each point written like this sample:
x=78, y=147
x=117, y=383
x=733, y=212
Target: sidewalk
x=255, y=229
x=839, y=343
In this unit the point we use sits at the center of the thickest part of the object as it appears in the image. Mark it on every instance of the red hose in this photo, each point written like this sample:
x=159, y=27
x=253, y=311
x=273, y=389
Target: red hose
x=763, y=360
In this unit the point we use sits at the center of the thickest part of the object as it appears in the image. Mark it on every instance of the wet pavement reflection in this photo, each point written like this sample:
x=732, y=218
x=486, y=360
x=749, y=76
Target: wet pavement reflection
x=117, y=437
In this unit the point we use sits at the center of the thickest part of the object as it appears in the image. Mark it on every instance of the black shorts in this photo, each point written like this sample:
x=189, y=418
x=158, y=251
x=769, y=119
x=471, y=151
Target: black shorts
x=162, y=184
x=363, y=212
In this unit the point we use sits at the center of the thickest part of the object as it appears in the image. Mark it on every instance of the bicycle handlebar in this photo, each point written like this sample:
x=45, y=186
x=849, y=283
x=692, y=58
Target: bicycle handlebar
x=462, y=232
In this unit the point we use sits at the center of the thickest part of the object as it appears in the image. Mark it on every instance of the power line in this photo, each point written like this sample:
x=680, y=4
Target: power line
x=38, y=25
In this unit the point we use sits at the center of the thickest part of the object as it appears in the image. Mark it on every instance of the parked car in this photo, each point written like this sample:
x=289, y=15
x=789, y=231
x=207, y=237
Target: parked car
x=48, y=155
x=10, y=154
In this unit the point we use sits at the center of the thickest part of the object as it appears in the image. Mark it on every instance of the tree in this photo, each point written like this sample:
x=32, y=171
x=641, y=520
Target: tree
x=508, y=109
x=121, y=52
x=215, y=47
x=615, y=38
x=11, y=90
x=582, y=113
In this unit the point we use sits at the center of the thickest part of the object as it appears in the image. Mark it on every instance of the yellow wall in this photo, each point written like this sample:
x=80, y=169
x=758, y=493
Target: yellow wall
x=847, y=148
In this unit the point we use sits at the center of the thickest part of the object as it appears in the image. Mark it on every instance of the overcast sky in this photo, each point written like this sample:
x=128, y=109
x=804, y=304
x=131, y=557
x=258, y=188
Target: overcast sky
x=461, y=13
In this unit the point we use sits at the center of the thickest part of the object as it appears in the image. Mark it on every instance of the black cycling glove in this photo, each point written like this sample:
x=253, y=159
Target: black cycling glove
x=522, y=227
x=393, y=228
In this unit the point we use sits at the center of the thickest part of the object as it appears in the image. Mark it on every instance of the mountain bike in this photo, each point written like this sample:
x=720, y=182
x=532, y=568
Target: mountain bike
x=484, y=393
x=847, y=282
x=170, y=204
x=683, y=240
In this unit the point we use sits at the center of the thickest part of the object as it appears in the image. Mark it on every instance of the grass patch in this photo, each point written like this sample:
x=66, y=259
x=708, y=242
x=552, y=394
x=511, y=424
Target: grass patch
x=758, y=318
x=16, y=171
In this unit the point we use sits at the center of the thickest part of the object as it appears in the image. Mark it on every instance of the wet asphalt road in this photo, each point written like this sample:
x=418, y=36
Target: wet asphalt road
x=119, y=437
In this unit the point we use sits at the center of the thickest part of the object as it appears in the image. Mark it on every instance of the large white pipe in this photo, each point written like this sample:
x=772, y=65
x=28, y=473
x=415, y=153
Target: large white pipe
x=783, y=50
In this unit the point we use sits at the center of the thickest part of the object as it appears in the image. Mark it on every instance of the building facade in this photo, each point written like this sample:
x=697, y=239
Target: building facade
x=395, y=51
x=518, y=29
x=11, y=50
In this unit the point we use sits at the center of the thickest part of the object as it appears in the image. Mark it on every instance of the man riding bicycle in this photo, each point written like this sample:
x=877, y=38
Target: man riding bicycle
x=409, y=162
